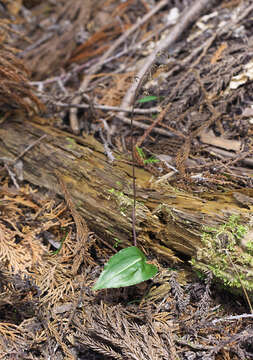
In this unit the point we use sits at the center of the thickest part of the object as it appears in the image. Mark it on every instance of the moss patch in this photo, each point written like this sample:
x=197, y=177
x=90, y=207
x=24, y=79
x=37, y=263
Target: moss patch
x=223, y=254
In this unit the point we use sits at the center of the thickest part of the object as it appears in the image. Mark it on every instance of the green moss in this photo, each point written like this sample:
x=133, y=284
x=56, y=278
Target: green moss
x=123, y=201
x=150, y=160
x=71, y=142
x=223, y=255
x=119, y=184
x=249, y=246
x=125, y=204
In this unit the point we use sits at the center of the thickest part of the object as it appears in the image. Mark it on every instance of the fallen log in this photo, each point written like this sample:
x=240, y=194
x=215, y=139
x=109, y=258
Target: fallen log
x=213, y=230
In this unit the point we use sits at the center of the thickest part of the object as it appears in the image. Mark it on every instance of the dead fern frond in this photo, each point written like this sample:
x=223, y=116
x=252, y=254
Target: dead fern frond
x=109, y=331
x=55, y=287
x=81, y=253
x=14, y=256
x=52, y=327
x=15, y=338
x=9, y=330
x=11, y=339
x=100, y=347
x=182, y=300
x=54, y=278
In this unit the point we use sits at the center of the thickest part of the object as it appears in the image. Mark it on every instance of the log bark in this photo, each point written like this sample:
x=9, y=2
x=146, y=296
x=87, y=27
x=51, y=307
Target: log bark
x=170, y=222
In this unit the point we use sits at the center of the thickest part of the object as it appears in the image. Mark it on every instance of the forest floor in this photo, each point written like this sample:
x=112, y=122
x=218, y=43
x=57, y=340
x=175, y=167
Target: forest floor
x=192, y=127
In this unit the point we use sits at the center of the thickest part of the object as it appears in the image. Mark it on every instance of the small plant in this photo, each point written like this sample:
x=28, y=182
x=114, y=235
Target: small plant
x=147, y=99
x=116, y=244
x=150, y=160
x=61, y=243
x=128, y=266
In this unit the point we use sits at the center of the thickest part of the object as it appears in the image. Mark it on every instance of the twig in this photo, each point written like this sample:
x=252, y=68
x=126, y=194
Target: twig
x=12, y=176
x=244, y=14
x=248, y=161
x=233, y=317
x=108, y=108
x=13, y=161
x=203, y=48
x=108, y=151
x=152, y=126
x=38, y=43
x=145, y=126
x=191, y=344
x=97, y=66
x=121, y=40
x=134, y=180
x=29, y=148
x=189, y=15
x=243, y=287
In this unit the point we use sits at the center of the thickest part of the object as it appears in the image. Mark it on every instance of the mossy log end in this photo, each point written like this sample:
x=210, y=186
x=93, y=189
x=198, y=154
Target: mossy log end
x=169, y=222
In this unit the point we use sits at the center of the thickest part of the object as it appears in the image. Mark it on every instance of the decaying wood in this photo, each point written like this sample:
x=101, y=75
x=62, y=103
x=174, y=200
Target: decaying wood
x=169, y=222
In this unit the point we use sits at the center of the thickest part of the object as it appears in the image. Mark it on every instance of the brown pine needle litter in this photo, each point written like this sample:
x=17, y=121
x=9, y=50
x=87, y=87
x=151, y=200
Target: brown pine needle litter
x=83, y=66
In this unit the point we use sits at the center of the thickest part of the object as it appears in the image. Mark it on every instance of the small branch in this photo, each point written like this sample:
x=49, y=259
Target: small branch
x=108, y=108
x=248, y=161
x=192, y=344
x=234, y=317
x=29, y=148
x=145, y=126
x=12, y=176
x=152, y=126
x=14, y=161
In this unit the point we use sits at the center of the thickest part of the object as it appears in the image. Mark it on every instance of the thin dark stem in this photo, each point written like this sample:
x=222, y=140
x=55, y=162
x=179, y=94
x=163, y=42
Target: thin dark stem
x=134, y=180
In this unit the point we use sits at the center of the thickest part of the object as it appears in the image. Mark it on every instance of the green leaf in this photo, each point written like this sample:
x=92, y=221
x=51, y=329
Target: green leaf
x=127, y=267
x=151, y=160
x=140, y=152
x=147, y=99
